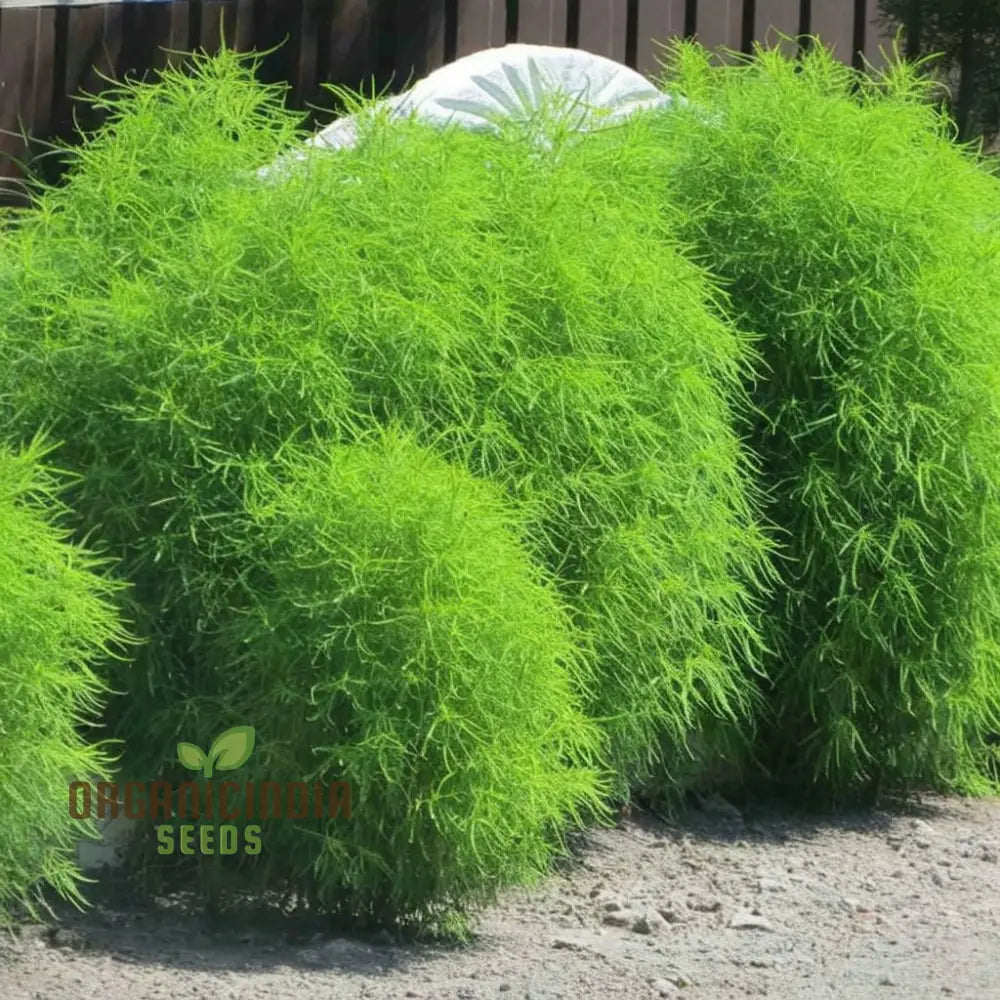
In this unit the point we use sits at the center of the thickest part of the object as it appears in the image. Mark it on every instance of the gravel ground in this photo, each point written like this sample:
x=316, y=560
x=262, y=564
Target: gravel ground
x=894, y=904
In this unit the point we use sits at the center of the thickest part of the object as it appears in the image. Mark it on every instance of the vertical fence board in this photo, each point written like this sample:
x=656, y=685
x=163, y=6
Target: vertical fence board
x=774, y=16
x=84, y=33
x=146, y=30
x=720, y=23
x=95, y=37
x=89, y=57
x=419, y=37
x=271, y=34
x=602, y=27
x=659, y=21
x=876, y=35
x=175, y=39
x=43, y=78
x=481, y=25
x=434, y=38
x=215, y=14
x=833, y=25
x=219, y=24
x=243, y=25
x=542, y=22
x=306, y=34
x=350, y=63
x=18, y=28
x=114, y=37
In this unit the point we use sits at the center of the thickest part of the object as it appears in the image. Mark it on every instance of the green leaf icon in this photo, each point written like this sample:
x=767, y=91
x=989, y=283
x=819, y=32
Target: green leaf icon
x=191, y=756
x=232, y=749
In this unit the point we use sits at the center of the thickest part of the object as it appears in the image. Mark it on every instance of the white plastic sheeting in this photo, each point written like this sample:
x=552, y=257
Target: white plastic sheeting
x=512, y=83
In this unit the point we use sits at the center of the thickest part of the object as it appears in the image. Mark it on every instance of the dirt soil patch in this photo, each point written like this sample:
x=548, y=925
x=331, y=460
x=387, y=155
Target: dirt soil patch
x=724, y=904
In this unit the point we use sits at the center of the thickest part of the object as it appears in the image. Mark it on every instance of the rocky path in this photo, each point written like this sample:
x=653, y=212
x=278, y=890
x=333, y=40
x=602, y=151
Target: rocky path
x=897, y=905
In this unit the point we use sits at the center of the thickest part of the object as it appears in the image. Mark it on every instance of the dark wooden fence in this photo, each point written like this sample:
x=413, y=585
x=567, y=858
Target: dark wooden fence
x=51, y=52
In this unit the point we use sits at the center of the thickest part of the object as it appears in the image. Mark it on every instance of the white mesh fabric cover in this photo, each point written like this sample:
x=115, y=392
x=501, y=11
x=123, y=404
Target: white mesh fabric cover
x=509, y=83
x=514, y=82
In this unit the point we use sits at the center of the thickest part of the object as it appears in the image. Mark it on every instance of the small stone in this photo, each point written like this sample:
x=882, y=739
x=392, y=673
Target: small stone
x=504, y=988
x=762, y=963
x=612, y=906
x=617, y=919
x=664, y=988
x=704, y=904
x=770, y=885
x=672, y=913
x=33, y=933
x=887, y=981
x=718, y=806
x=937, y=879
x=64, y=937
x=648, y=923
x=565, y=944
x=750, y=921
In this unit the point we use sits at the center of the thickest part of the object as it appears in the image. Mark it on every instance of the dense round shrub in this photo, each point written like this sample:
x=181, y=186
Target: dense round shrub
x=522, y=311
x=401, y=639
x=860, y=243
x=152, y=416
x=57, y=623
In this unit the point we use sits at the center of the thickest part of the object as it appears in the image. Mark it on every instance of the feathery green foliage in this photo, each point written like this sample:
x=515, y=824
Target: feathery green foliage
x=154, y=415
x=862, y=245
x=401, y=639
x=522, y=312
x=57, y=620
x=963, y=38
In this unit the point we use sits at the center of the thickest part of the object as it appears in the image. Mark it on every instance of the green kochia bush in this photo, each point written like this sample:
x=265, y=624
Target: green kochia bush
x=524, y=319
x=155, y=416
x=57, y=620
x=402, y=639
x=861, y=244
x=524, y=314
